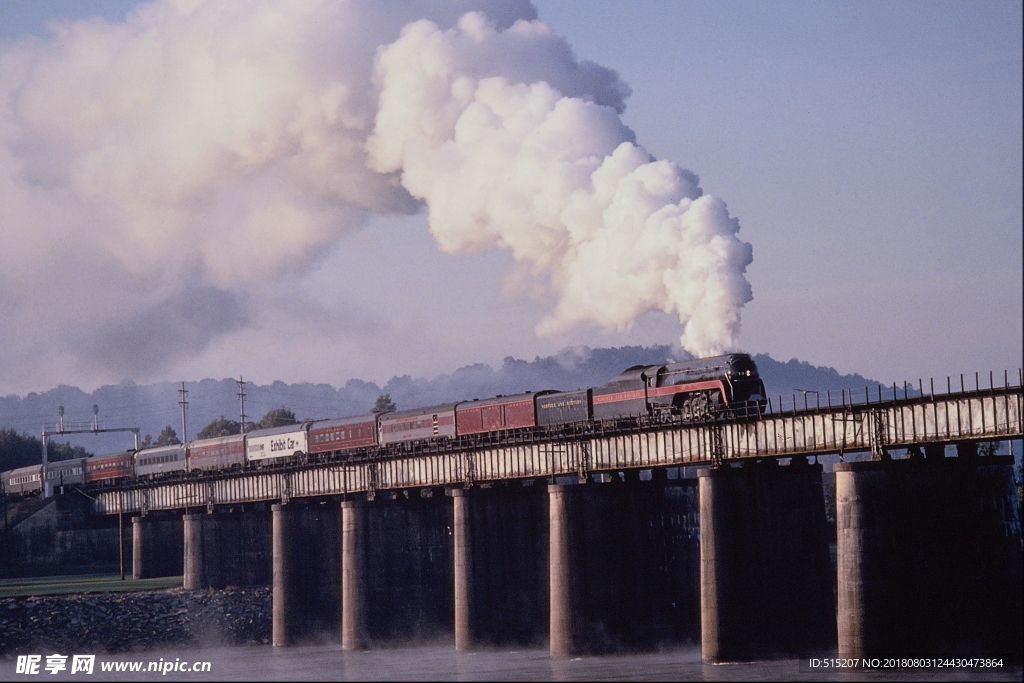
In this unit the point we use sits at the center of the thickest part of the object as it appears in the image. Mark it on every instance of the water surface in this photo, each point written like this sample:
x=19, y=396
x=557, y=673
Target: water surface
x=443, y=663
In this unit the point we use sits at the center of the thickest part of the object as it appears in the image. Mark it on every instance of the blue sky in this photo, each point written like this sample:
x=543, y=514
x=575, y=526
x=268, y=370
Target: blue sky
x=871, y=152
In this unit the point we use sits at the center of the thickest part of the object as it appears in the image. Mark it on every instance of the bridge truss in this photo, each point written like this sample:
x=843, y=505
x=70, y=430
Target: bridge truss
x=876, y=426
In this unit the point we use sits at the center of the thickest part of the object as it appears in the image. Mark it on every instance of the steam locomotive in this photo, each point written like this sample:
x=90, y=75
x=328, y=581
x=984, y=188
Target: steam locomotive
x=691, y=391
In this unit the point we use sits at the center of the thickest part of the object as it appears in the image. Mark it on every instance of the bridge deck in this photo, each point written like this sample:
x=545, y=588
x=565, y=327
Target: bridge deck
x=978, y=415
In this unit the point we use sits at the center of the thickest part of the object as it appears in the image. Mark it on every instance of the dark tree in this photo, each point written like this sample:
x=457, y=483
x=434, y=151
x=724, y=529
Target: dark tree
x=18, y=450
x=64, y=451
x=383, y=404
x=168, y=437
x=277, y=418
x=219, y=427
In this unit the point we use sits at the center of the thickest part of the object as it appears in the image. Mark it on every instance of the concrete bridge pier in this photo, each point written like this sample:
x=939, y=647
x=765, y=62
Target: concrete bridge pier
x=462, y=568
x=353, y=575
x=224, y=549
x=396, y=568
x=622, y=566
x=156, y=546
x=562, y=640
x=500, y=565
x=929, y=558
x=305, y=573
x=195, y=552
x=766, y=581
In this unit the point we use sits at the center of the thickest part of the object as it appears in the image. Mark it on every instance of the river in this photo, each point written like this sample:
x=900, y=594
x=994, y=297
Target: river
x=443, y=663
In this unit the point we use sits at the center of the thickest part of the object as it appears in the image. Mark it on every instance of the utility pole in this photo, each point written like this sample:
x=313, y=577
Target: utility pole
x=183, y=403
x=120, y=529
x=241, y=405
x=47, y=492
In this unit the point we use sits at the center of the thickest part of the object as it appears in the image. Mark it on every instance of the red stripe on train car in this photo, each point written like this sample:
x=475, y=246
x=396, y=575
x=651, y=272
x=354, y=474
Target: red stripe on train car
x=621, y=396
x=638, y=394
x=692, y=386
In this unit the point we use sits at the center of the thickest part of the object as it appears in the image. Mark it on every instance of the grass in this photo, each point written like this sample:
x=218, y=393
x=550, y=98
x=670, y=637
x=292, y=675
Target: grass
x=89, y=583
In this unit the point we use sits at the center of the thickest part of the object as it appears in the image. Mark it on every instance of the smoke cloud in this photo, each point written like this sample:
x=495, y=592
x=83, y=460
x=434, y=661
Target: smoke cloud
x=179, y=166
x=514, y=151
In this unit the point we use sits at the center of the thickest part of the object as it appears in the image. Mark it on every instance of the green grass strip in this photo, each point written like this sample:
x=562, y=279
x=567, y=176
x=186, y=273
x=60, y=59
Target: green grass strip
x=90, y=583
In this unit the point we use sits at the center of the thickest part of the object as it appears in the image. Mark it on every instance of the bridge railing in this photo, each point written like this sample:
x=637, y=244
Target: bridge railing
x=810, y=399
x=955, y=411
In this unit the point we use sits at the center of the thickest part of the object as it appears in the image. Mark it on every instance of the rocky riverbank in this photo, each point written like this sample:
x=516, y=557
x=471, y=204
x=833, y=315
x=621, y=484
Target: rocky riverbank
x=118, y=622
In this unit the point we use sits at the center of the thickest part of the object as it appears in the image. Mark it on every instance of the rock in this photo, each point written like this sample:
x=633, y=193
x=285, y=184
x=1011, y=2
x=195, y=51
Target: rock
x=119, y=622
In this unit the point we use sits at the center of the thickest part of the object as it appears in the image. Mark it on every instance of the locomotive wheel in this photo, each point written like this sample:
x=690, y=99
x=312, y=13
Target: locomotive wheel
x=701, y=406
x=696, y=407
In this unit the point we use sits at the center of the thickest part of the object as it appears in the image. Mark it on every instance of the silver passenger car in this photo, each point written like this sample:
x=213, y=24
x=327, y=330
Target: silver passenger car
x=23, y=480
x=218, y=453
x=434, y=422
x=159, y=460
x=65, y=472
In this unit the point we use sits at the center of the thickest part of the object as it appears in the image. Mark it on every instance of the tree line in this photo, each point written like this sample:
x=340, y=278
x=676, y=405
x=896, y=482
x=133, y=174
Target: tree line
x=21, y=450
x=278, y=417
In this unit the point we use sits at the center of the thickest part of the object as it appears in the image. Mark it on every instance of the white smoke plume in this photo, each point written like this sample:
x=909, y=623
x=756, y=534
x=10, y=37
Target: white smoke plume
x=160, y=177
x=508, y=152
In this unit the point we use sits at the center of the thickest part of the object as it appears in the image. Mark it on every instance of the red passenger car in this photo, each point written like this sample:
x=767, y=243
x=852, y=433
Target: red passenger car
x=343, y=434
x=104, y=467
x=496, y=414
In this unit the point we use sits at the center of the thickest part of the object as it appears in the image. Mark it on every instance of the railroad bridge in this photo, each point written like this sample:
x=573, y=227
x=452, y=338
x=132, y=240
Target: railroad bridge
x=591, y=539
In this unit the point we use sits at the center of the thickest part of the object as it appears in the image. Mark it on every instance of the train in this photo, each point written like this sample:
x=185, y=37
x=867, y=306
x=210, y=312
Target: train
x=718, y=387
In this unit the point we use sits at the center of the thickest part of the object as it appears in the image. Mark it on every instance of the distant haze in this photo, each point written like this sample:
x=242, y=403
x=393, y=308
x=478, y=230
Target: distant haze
x=152, y=407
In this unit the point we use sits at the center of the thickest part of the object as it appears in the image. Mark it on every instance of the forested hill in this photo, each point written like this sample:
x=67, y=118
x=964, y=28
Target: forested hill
x=153, y=407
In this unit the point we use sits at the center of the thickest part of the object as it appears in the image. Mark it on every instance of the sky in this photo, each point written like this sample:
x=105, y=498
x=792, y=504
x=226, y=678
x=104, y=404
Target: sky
x=317, y=191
